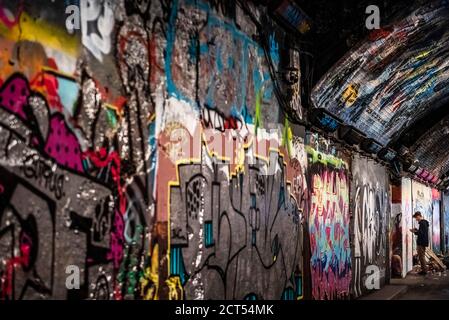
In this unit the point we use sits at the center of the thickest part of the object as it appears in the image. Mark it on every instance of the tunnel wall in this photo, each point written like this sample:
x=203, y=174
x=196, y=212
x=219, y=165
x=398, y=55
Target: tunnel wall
x=371, y=210
x=422, y=201
x=148, y=155
x=445, y=204
x=329, y=220
x=396, y=227
x=416, y=196
x=436, y=221
x=234, y=213
x=407, y=224
x=148, y=150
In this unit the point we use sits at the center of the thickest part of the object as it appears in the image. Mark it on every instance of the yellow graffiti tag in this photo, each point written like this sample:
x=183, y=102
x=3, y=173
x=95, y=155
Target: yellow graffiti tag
x=151, y=277
x=37, y=30
x=350, y=95
x=174, y=286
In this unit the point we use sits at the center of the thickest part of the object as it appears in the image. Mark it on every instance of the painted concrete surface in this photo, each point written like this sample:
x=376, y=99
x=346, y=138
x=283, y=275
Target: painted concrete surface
x=389, y=292
x=433, y=286
x=430, y=287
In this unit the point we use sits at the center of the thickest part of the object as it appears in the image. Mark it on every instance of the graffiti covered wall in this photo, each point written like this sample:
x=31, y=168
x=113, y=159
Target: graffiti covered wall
x=370, y=204
x=445, y=227
x=436, y=221
x=234, y=212
x=149, y=150
x=62, y=197
x=329, y=223
x=396, y=236
x=380, y=95
x=422, y=202
x=407, y=224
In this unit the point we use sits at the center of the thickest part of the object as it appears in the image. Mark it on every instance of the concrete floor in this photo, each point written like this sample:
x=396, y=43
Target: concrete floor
x=433, y=286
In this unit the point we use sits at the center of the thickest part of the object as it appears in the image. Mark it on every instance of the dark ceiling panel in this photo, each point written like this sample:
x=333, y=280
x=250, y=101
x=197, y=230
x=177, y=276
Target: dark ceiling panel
x=432, y=149
x=338, y=25
x=395, y=77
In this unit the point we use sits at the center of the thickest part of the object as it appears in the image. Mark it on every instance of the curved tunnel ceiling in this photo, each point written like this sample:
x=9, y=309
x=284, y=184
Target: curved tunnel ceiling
x=432, y=148
x=397, y=76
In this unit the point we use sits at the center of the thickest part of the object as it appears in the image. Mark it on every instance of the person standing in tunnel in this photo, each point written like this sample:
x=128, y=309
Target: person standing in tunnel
x=422, y=240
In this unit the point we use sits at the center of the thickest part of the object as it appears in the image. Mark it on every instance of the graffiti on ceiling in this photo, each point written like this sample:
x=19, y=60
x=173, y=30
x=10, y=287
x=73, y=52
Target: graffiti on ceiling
x=395, y=77
x=437, y=138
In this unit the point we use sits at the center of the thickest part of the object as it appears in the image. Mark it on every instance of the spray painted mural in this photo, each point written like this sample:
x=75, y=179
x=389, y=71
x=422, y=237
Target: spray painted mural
x=422, y=202
x=395, y=234
x=436, y=223
x=148, y=149
x=396, y=239
x=436, y=138
x=370, y=214
x=65, y=196
x=446, y=221
x=235, y=201
x=399, y=73
x=329, y=223
x=407, y=224
x=238, y=235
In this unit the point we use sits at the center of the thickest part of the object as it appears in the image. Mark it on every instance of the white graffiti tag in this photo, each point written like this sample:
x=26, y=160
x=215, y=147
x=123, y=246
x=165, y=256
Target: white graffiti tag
x=97, y=24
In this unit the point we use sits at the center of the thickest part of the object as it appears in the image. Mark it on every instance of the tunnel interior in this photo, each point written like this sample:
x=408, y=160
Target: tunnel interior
x=221, y=149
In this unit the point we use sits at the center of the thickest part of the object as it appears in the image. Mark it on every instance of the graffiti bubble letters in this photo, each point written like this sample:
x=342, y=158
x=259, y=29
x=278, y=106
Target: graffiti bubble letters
x=36, y=168
x=222, y=145
x=371, y=209
x=97, y=16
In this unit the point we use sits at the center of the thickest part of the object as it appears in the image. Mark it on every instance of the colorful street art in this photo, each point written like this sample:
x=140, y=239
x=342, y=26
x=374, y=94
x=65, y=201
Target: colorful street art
x=154, y=151
x=396, y=240
x=222, y=222
x=422, y=202
x=395, y=237
x=329, y=226
x=392, y=78
x=407, y=224
x=233, y=192
x=149, y=150
x=370, y=213
x=446, y=221
x=437, y=138
x=436, y=221
x=64, y=199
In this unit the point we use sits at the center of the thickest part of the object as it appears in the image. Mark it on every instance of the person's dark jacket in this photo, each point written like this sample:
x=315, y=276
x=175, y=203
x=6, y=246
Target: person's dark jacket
x=423, y=233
